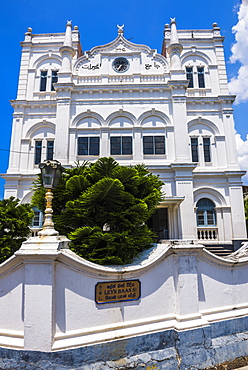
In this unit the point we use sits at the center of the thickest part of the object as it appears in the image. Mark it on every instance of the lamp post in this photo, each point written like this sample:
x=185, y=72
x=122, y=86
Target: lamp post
x=51, y=171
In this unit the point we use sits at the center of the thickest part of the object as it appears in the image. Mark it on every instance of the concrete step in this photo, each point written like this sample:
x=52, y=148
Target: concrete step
x=218, y=250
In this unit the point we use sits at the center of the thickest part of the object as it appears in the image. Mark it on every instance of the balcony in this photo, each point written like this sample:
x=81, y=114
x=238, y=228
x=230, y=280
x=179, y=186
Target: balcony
x=207, y=234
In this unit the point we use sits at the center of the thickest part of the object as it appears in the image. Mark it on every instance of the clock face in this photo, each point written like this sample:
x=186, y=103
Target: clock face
x=120, y=65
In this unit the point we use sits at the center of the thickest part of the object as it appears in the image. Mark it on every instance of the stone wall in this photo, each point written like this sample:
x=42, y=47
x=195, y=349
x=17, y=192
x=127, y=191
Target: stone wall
x=191, y=312
x=201, y=348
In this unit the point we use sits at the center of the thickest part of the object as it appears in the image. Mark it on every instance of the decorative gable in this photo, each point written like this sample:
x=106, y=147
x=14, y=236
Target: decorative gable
x=121, y=57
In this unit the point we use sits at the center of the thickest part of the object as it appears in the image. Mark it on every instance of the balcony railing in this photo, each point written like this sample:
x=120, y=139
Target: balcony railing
x=207, y=234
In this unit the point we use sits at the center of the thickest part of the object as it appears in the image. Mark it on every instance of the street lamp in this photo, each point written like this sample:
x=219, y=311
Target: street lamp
x=51, y=172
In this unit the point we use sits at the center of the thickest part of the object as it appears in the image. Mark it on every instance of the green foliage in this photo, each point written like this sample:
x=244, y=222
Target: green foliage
x=103, y=208
x=15, y=219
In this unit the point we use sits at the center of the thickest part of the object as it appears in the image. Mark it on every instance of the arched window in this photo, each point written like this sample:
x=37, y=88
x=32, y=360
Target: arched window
x=205, y=212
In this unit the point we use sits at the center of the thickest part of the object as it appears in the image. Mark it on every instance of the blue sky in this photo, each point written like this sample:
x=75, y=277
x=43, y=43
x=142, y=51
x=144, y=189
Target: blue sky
x=144, y=22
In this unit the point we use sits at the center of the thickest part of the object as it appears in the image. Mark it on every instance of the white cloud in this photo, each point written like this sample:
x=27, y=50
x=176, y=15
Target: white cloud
x=239, y=84
x=242, y=149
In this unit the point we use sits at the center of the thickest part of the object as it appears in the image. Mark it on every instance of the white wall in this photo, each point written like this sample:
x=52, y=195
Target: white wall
x=47, y=297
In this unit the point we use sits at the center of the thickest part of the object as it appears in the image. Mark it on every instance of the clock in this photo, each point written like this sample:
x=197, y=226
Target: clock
x=120, y=65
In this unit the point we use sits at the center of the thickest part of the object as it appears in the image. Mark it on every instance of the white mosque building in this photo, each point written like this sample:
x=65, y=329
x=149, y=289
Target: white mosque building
x=171, y=111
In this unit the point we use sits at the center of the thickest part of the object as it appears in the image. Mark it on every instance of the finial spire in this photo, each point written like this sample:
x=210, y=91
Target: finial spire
x=174, y=36
x=175, y=48
x=120, y=29
x=67, y=53
x=68, y=39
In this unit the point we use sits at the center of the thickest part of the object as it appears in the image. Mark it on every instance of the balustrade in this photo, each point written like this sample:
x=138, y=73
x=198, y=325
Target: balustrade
x=207, y=234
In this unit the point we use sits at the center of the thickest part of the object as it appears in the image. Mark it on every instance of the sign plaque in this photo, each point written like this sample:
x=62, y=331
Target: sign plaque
x=117, y=291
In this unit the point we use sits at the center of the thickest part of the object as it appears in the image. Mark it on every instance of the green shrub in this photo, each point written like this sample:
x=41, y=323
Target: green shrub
x=103, y=208
x=15, y=220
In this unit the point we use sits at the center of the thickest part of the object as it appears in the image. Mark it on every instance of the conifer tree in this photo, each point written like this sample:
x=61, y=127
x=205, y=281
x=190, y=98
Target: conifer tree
x=103, y=208
x=15, y=220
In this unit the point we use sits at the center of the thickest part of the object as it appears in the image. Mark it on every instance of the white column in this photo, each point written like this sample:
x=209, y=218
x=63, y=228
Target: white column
x=170, y=144
x=15, y=146
x=67, y=53
x=227, y=223
x=39, y=257
x=184, y=188
x=175, y=48
x=24, y=156
x=201, y=151
x=171, y=222
x=137, y=144
x=38, y=299
x=187, y=281
x=231, y=152
x=25, y=59
x=72, y=146
x=237, y=211
x=104, y=142
x=61, y=144
x=221, y=151
x=220, y=223
x=182, y=148
x=219, y=52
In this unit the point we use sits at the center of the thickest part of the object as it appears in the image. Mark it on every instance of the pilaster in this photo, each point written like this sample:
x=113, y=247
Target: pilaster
x=15, y=146
x=219, y=52
x=23, y=76
x=61, y=150
x=228, y=123
x=237, y=206
x=182, y=148
x=184, y=188
x=67, y=52
x=187, y=281
x=137, y=144
x=39, y=257
x=104, y=147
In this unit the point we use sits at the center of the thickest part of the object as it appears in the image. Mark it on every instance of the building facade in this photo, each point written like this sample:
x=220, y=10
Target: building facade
x=171, y=111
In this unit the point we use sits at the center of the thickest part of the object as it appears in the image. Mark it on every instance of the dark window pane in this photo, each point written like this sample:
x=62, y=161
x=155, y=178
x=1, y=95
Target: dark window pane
x=82, y=146
x=37, y=154
x=115, y=145
x=121, y=145
x=43, y=80
x=148, y=147
x=206, y=149
x=194, y=149
x=210, y=217
x=54, y=79
x=88, y=145
x=200, y=72
x=127, y=145
x=189, y=76
x=94, y=146
x=50, y=150
x=159, y=145
x=153, y=145
x=200, y=218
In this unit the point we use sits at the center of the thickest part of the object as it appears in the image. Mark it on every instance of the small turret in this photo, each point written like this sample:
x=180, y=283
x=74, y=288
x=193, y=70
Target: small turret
x=174, y=36
x=175, y=48
x=67, y=53
x=68, y=40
